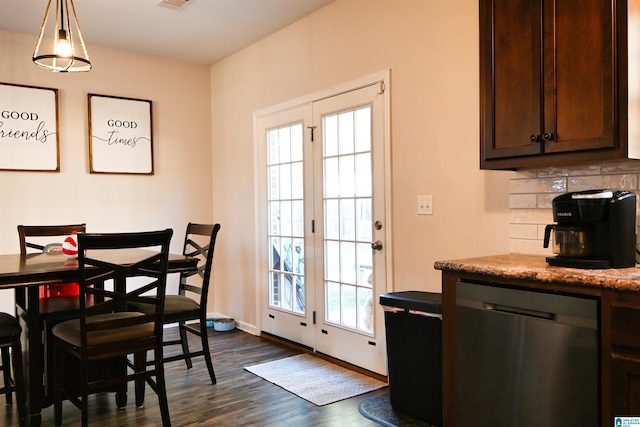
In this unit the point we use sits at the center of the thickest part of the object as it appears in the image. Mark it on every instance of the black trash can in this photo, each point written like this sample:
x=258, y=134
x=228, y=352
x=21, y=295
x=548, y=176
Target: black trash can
x=413, y=321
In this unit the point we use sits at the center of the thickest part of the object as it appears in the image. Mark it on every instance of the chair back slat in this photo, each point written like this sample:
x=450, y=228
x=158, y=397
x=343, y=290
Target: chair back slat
x=192, y=288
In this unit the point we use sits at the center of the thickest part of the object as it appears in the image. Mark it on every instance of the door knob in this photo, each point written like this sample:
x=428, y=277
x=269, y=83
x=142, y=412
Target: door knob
x=377, y=245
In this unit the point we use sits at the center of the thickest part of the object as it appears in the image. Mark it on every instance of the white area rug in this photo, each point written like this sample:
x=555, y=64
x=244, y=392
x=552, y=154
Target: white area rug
x=314, y=379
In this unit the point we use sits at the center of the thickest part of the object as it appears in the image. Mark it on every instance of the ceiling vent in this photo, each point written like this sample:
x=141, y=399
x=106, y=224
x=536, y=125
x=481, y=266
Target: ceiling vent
x=175, y=4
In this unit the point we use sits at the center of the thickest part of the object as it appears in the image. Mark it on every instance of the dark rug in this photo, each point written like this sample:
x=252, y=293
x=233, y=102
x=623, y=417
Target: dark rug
x=379, y=409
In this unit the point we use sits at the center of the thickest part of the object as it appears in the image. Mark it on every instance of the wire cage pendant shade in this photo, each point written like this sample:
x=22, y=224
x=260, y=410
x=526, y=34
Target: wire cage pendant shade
x=68, y=52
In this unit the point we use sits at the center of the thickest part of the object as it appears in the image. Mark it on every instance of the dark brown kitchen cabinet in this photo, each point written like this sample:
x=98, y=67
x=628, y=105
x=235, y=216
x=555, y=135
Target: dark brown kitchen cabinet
x=625, y=354
x=553, y=82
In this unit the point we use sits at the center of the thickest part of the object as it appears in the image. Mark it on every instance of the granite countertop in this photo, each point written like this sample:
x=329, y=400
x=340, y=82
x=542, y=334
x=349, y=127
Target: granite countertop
x=535, y=267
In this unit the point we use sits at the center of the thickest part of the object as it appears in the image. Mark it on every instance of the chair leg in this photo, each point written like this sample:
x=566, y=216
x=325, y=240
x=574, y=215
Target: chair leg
x=161, y=389
x=57, y=407
x=18, y=374
x=84, y=391
x=6, y=373
x=185, y=344
x=204, y=338
x=140, y=365
x=57, y=392
x=121, y=389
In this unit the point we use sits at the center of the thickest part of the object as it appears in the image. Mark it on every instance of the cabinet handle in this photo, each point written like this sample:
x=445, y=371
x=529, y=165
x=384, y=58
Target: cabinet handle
x=548, y=136
x=535, y=138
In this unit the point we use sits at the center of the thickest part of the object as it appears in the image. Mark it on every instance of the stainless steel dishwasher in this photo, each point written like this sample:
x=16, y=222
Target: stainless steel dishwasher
x=526, y=358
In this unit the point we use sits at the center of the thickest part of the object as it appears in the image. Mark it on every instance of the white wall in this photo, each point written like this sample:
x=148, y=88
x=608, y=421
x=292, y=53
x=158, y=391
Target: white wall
x=431, y=48
x=181, y=188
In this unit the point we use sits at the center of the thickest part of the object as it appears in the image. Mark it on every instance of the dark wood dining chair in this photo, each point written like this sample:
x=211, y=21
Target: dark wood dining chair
x=40, y=234
x=191, y=302
x=39, y=307
x=199, y=241
x=10, y=340
x=107, y=331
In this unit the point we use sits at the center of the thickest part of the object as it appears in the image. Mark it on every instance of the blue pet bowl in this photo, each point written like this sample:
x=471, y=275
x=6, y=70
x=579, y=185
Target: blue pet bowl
x=222, y=325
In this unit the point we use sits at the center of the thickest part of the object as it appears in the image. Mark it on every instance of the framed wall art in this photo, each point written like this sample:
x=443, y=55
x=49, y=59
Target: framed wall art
x=29, y=139
x=120, y=137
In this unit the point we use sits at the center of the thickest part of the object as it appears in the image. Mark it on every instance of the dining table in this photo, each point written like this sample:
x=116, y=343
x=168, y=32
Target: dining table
x=25, y=274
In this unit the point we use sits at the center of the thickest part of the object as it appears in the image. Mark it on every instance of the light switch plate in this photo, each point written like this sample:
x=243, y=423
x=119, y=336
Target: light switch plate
x=425, y=205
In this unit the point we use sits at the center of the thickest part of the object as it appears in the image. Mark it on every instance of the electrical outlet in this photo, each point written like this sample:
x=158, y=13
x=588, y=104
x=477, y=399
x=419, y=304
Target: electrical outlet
x=425, y=205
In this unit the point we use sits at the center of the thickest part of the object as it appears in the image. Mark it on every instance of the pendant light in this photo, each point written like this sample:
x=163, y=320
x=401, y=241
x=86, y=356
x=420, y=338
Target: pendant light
x=68, y=52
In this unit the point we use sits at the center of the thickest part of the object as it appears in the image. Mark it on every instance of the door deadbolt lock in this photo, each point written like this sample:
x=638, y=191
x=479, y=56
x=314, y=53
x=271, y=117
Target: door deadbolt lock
x=378, y=225
x=377, y=245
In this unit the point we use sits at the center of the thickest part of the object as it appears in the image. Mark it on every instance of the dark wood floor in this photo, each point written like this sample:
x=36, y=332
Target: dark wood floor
x=238, y=399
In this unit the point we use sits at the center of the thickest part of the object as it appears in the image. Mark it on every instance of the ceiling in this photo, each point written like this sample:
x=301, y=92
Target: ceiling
x=203, y=31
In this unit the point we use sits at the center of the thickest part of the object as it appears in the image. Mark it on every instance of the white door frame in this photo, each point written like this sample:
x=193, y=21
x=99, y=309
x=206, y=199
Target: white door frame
x=383, y=77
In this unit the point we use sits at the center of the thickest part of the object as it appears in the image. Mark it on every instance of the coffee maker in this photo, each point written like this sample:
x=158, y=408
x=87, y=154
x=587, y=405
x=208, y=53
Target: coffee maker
x=595, y=229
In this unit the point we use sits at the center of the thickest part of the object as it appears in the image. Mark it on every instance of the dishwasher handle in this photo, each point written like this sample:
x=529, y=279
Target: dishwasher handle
x=519, y=310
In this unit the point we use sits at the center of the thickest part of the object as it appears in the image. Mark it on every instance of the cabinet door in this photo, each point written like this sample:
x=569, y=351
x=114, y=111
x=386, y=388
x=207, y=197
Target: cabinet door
x=547, y=78
x=510, y=77
x=625, y=386
x=621, y=311
x=579, y=64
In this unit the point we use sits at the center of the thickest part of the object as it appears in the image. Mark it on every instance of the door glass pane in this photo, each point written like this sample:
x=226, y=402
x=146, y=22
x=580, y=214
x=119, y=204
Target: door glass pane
x=332, y=257
x=363, y=129
x=345, y=132
x=347, y=176
x=274, y=218
x=296, y=142
x=364, y=232
x=286, y=218
x=331, y=178
x=348, y=262
x=284, y=140
x=365, y=261
x=363, y=174
x=347, y=223
x=333, y=302
x=330, y=132
x=349, y=315
x=365, y=309
x=274, y=182
x=285, y=182
x=297, y=181
x=297, y=218
x=286, y=257
x=331, y=219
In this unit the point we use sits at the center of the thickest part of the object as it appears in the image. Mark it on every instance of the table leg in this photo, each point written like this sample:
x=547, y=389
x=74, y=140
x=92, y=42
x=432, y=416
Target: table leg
x=33, y=352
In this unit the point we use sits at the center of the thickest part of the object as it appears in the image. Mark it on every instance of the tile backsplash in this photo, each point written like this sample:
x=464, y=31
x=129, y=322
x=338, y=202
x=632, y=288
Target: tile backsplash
x=532, y=190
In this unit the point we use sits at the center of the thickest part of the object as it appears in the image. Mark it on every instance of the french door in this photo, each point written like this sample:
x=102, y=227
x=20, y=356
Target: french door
x=324, y=230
